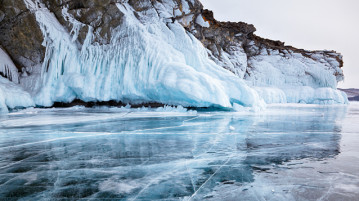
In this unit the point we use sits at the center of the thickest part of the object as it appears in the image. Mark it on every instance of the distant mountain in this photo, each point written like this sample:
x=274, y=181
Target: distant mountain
x=353, y=94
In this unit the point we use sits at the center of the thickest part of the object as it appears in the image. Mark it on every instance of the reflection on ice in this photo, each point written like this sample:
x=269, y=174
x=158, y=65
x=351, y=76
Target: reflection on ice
x=142, y=155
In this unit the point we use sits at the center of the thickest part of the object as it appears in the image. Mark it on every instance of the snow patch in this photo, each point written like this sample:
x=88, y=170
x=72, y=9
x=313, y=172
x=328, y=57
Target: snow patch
x=200, y=21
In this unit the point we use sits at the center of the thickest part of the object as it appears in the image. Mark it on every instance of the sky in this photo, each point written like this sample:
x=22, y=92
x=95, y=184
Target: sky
x=307, y=24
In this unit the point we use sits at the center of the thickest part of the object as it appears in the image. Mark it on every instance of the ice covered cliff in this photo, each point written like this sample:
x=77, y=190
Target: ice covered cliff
x=279, y=73
x=171, y=52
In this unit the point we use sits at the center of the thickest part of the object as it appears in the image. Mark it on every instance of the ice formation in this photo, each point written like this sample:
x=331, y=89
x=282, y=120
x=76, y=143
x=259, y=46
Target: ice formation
x=7, y=67
x=12, y=96
x=154, y=56
x=152, y=62
x=295, y=79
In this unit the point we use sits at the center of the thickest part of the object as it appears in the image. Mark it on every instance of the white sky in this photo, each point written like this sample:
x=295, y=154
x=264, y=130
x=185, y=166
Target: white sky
x=307, y=24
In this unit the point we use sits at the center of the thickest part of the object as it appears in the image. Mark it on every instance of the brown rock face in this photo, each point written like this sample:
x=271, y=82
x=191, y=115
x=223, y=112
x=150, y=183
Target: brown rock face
x=102, y=15
x=22, y=38
x=20, y=34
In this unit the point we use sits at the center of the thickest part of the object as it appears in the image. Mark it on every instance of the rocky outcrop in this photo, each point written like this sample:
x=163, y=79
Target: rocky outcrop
x=234, y=46
x=21, y=35
x=65, y=43
x=231, y=45
x=102, y=15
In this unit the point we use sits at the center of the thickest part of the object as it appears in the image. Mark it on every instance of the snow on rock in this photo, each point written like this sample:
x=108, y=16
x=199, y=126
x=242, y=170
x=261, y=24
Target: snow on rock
x=201, y=21
x=185, y=7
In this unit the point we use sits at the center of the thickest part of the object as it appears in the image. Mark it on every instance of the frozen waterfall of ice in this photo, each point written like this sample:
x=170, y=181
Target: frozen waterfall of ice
x=152, y=62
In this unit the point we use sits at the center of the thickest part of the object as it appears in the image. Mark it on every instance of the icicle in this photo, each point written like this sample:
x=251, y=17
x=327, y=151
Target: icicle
x=8, y=68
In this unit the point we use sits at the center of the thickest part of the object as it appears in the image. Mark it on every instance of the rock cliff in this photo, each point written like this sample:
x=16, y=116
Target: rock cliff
x=232, y=45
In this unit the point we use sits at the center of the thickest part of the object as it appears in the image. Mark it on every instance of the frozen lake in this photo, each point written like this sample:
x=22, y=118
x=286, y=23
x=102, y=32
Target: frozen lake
x=290, y=152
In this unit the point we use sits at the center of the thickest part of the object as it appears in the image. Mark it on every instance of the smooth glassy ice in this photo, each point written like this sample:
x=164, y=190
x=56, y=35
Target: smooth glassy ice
x=287, y=152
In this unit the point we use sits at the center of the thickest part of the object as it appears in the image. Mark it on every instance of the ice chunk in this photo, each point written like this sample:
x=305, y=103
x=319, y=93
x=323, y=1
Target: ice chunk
x=13, y=96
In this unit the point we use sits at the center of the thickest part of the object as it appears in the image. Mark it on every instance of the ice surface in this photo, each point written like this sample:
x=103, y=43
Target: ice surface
x=287, y=152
